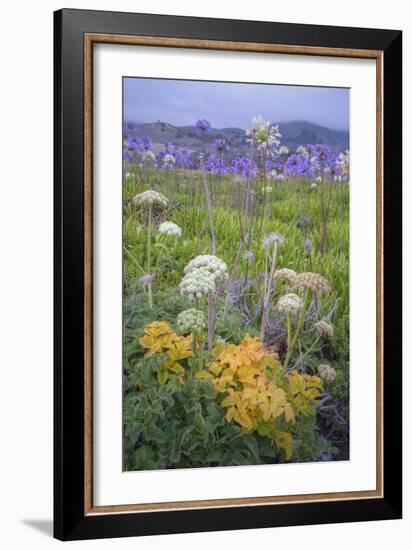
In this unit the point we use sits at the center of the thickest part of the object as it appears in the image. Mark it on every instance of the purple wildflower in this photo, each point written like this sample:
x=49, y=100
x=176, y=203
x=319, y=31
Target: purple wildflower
x=220, y=145
x=203, y=126
x=139, y=143
x=244, y=166
x=183, y=159
x=298, y=166
x=144, y=143
x=216, y=165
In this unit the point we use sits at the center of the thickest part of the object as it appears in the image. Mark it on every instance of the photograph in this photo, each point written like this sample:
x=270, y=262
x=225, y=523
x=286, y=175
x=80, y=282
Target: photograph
x=235, y=274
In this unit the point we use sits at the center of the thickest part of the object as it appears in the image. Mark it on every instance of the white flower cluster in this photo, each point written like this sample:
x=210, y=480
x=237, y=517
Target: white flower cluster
x=327, y=372
x=283, y=150
x=302, y=151
x=324, y=328
x=201, y=276
x=191, y=320
x=169, y=159
x=215, y=265
x=285, y=274
x=148, y=156
x=318, y=284
x=150, y=197
x=197, y=283
x=170, y=228
x=343, y=161
x=263, y=133
x=290, y=303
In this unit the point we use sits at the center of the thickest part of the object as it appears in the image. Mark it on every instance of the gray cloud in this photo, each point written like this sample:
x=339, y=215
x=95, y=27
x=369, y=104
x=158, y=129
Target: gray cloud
x=182, y=102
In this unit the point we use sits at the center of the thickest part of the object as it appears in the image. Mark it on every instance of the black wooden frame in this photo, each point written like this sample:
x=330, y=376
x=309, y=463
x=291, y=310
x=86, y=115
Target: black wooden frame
x=70, y=521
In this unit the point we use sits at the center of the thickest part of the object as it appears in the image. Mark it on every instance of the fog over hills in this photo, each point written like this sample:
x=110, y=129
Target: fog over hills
x=294, y=133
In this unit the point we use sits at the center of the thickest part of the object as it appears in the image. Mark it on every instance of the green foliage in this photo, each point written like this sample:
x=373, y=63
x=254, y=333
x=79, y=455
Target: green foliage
x=341, y=337
x=233, y=328
x=182, y=427
x=180, y=423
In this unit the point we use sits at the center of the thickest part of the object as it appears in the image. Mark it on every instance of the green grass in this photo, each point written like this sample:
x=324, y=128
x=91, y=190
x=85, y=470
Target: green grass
x=286, y=204
x=287, y=207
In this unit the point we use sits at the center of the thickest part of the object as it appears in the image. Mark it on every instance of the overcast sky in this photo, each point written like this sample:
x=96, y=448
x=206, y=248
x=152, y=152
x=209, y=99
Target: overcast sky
x=182, y=102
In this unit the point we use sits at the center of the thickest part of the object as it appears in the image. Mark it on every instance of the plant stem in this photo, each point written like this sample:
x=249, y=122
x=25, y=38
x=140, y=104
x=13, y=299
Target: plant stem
x=299, y=324
x=268, y=290
x=289, y=327
x=264, y=200
x=301, y=358
x=194, y=348
x=232, y=278
x=210, y=321
x=149, y=284
x=248, y=247
x=209, y=212
x=134, y=260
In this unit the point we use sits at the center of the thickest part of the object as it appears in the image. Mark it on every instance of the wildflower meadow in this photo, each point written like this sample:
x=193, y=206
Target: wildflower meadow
x=235, y=299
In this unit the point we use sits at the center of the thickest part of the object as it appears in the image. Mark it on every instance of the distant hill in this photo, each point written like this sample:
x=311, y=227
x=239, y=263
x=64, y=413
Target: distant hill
x=299, y=132
x=294, y=133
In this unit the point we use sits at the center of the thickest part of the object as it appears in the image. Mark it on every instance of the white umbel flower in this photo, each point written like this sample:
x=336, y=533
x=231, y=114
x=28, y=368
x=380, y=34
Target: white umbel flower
x=197, y=283
x=318, y=284
x=150, y=197
x=263, y=133
x=202, y=274
x=148, y=156
x=290, y=303
x=191, y=320
x=302, y=151
x=327, y=372
x=213, y=264
x=343, y=161
x=283, y=150
x=170, y=228
x=285, y=274
x=169, y=159
x=324, y=328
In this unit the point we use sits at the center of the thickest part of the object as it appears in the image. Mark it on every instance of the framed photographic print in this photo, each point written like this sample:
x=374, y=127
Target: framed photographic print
x=227, y=274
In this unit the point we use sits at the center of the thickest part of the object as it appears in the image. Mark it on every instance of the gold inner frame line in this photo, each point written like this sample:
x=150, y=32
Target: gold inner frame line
x=89, y=40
